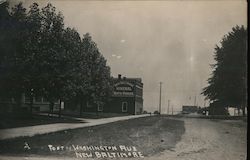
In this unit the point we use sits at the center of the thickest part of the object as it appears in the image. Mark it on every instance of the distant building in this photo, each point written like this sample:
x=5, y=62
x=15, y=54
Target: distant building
x=189, y=109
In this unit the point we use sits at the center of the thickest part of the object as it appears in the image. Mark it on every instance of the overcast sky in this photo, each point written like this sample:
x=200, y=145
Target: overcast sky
x=168, y=41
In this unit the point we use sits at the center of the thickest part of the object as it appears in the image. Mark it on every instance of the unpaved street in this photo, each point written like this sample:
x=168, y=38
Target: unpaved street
x=209, y=140
x=203, y=139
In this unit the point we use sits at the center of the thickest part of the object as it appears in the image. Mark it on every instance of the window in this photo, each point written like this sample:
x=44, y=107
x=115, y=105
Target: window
x=124, y=106
x=99, y=107
x=62, y=105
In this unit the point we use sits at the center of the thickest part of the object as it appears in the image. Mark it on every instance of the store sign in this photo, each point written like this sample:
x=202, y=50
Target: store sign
x=123, y=89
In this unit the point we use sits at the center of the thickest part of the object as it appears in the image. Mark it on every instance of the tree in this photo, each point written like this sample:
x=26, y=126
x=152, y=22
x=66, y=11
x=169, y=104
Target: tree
x=42, y=58
x=98, y=83
x=5, y=45
x=5, y=40
x=32, y=64
x=14, y=28
x=50, y=59
x=227, y=86
x=71, y=66
x=30, y=52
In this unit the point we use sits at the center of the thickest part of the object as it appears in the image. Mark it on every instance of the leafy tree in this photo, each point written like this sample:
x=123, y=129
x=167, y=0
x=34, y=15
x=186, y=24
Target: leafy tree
x=51, y=54
x=30, y=52
x=5, y=44
x=98, y=81
x=42, y=58
x=5, y=41
x=227, y=86
x=12, y=48
x=71, y=70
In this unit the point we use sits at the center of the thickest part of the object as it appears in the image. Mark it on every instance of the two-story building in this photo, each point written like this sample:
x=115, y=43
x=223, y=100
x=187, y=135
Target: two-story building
x=127, y=98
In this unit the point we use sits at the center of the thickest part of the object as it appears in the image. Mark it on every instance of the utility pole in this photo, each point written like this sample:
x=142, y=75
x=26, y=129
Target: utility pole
x=172, y=110
x=168, y=106
x=160, y=99
x=195, y=100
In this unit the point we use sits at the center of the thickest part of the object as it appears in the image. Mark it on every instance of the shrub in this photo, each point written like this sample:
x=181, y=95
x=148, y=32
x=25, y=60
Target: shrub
x=156, y=112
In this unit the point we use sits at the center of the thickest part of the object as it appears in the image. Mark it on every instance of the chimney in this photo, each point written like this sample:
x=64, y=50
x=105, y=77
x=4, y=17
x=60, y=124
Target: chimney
x=119, y=76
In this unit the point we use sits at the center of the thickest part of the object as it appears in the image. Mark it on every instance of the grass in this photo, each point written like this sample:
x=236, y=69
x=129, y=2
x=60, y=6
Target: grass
x=92, y=115
x=32, y=120
x=150, y=135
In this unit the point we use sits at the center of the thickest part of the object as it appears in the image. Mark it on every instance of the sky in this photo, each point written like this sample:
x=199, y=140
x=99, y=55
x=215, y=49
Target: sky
x=159, y=41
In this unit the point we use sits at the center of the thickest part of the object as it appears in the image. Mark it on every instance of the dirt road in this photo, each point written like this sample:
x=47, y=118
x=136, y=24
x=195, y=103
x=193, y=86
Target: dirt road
x=209, y=140
x=203, y=139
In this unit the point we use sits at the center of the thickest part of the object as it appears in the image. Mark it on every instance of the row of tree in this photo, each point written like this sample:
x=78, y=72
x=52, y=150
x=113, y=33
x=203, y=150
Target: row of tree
x=41, y=57
x=228, y=83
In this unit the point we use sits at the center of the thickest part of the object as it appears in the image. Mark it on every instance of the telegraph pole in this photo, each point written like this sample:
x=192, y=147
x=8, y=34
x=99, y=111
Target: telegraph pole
x=168, y=106
x=195, y=100
x=160, y=99
x=172, y=110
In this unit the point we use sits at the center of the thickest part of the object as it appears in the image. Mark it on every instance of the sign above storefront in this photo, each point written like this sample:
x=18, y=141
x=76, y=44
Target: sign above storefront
x=123, y=89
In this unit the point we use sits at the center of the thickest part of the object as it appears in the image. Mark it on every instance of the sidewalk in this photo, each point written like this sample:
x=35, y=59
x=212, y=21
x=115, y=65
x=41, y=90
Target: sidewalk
x=48, y=128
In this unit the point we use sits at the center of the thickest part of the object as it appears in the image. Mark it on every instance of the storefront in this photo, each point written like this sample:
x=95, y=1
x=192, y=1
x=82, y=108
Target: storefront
x=127, y=96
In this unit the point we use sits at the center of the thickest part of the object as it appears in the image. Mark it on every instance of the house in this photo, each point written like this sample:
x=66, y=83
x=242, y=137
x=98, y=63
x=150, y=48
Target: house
x=127, y=98
x=40, y=104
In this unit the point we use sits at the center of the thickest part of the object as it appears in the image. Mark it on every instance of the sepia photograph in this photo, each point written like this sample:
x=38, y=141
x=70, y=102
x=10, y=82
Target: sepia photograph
x=123, y=79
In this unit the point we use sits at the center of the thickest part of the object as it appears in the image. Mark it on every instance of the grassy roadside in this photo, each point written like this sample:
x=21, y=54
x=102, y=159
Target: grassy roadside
x=32, y=120
x=92, y=115
x=16, y=120
x=150, y=135
x=212, y=117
